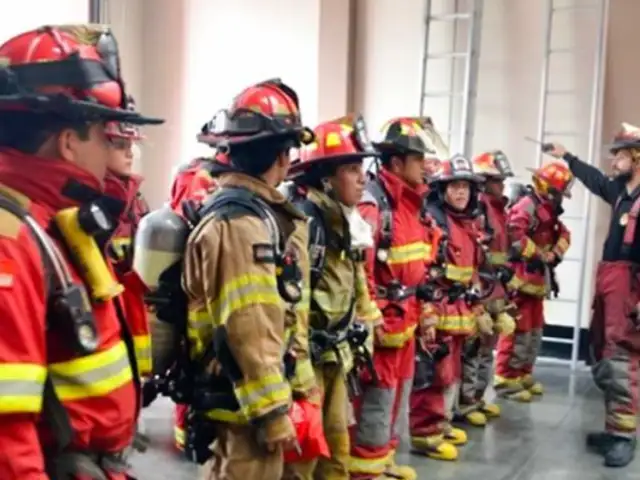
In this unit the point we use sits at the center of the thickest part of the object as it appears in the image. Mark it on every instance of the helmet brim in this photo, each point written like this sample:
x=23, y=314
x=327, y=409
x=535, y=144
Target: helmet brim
x=298, y=169
x=473, y=178
x=622, y=145
x=391, y=148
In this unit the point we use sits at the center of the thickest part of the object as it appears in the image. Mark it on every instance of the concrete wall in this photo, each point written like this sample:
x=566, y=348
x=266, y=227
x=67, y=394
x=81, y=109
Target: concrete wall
x=184, y=59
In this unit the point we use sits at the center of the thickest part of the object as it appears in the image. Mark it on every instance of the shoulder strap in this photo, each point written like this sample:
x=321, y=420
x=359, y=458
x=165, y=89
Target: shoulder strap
x=317, y=239
x=375, y=193
x=52, y=408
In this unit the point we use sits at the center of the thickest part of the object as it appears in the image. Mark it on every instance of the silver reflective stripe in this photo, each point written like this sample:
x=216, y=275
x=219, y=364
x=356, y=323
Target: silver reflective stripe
x=249, y=400
x=91, y=377
x=20, y=388
x=400, y=424
x=535, y=343
x=374, y=424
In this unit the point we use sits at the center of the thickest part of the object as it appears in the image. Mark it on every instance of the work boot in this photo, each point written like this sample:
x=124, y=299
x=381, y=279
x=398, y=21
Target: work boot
x=476, y=418
x=598, y=441
x=619, y=452
x=402, y=472
x=533, y=386
x=491, y=410
x=455, y=436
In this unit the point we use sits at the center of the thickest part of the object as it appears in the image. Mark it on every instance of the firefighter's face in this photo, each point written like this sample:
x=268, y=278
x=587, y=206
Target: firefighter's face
x=348, y=183
x=411, y=169
x=90, y=151
x=122, y=156
x=494, y=187
x=622, y=163
x=458, y=194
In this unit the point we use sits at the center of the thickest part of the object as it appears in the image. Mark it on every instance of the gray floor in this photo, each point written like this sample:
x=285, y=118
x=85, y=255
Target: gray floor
x=541, y=441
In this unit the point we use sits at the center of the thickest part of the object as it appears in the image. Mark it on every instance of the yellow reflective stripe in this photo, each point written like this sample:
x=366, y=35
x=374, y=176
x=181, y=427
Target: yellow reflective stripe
x=142, y=345
x=456, y=323
x=409, y=253
x=457, y=273
x=529, y=249
x=623, y=421
x=562, y=245
x=534, y=290
x=332, y=305
x=373, y=466
x=397, y=340
x=238, y=293
x=227, y=416
x=179, y=435
x=370, y=313
x=21, y=386
x=257, y=396
x=93, y=375
x=120, y=245
x=497, y=258
x=305, y=377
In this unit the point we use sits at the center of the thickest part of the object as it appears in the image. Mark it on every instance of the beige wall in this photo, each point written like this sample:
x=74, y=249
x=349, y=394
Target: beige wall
x=184, y=59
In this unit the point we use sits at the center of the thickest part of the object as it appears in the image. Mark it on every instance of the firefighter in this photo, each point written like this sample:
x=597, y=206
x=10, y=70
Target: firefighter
x=193, y=183
x=122, y=185
x=450, y=209
x=615, y=331
x=246, y=279
x=538, y=241
x=395, y=268
x=494, y=168
x=68, y=371
x=331, y=179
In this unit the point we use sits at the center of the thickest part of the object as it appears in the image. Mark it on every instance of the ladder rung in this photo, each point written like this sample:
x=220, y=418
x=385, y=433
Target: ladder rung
x=566, y=341
x=445, y=55
x=561, y=133
x=560, y=92
x=442, y=94
x=576, y=6
x=449, y=17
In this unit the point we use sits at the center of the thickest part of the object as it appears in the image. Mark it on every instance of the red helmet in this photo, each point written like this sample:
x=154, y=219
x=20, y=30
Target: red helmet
x=457, y=168
x=628, y=137
x=342, y=140
x=552, y=179
x=124, y=129
x=268, y=109
x=406, y=135
x=72, y=71
x=493, y=164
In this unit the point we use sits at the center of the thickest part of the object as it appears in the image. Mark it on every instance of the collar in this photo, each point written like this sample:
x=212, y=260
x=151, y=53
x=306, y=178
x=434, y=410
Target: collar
x=330, y=208
x=500, y=203
x=398, y=189
x=122, y=188
x=50, y=183
x=268, y=193
x=635, y=193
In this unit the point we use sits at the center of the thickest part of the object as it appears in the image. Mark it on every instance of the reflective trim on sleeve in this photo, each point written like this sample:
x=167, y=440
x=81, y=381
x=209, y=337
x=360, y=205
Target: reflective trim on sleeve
x=21, y=387
x=458, y=273
x=93, y=375
x=410, y=252
x=527, y=247
x=456, y=323
x=497, y=258
x=142, y=345
x=305, y=376
x=397, y=340
x=258, y=397
x=562, y=245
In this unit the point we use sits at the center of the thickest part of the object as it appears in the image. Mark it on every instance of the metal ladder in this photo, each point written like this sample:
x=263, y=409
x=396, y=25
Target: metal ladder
x=472, y=20
x=601, y=7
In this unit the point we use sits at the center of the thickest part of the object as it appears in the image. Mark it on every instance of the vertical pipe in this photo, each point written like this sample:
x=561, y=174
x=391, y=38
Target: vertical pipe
x=97, y=11
x=471, y=79
x=544, y=87
x=595, y=140
x=452, y=74
x=425, y=54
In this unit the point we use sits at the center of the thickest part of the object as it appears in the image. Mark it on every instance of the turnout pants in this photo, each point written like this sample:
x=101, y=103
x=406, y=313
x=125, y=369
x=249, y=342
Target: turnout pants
x=381, y=410
x=335, y=410
x=179, y=425
x=615, y=346
x=432, y=407
x=477, y=365
x=517, y=353
x=237, y=456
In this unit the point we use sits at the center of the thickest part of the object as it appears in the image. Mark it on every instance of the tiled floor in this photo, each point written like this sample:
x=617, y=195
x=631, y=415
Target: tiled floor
x=541, y=441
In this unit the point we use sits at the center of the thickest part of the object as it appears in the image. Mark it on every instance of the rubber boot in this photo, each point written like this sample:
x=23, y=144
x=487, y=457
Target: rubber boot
x=455, y=436
x=402, y=472
x=532, y=386
x=434, y=447
x=619, y=452
x=491, y=410
x=511, y=389
x=476, y=418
